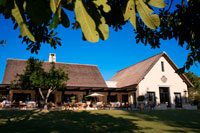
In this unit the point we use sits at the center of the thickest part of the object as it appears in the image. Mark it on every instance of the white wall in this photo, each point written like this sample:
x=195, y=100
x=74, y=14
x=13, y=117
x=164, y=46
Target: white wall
x=152, y=81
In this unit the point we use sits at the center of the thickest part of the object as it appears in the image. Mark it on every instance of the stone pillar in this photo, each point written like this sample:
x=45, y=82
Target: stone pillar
x=131, y=99
x=58, y=96
x=11, y=95
x=119, y=97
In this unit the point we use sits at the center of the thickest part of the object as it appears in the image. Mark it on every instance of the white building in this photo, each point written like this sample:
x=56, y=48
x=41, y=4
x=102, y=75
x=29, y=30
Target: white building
x=155, y=78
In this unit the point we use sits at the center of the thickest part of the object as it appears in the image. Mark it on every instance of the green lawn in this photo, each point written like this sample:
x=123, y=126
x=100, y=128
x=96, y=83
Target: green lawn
x=100, y=121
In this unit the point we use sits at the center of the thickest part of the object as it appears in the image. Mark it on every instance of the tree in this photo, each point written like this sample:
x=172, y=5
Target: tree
x=36, y=78
x=194, y=92
x=181, y=24
x=37, y=20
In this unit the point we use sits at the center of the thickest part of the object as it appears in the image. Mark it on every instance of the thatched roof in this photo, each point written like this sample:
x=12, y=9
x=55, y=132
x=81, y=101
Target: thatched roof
x=132, y=75
x=79, y=75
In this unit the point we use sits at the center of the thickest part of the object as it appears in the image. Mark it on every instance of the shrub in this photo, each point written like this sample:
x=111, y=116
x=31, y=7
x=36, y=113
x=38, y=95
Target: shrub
x=73, y=98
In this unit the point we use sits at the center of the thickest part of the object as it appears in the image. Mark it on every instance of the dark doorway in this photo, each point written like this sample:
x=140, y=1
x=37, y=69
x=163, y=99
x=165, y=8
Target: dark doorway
x=164, y=96
x=113, y=98
x=178, y=100
x=21, y=97
x=51, y=98
x=125, y=98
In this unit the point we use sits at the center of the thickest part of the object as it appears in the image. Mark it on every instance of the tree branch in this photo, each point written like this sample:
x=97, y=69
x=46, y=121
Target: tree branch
x=41, y=93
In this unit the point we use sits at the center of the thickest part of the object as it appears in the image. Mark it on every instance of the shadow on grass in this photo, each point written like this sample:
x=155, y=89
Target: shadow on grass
x=63, y=121
x=182, y=119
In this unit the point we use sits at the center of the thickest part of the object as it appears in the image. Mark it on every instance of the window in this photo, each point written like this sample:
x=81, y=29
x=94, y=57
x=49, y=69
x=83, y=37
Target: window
x=151, y=97
x=162, y=66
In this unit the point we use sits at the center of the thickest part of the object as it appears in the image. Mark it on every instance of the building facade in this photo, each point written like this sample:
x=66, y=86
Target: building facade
x=154, y=78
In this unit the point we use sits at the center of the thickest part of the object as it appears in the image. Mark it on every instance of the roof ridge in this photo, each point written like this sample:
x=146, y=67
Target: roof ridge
x=16, y=59
x=55, y=62
x=141, y=61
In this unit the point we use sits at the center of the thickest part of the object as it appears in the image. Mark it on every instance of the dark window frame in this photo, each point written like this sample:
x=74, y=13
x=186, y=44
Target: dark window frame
x=152, y=93
x=165, y=95
x=178, y=99
x=162, y=66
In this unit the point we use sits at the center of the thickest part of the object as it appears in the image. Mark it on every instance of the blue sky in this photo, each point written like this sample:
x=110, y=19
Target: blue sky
x=118, y=52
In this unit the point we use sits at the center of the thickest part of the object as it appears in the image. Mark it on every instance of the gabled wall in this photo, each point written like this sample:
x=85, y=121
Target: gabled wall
x=152, y=81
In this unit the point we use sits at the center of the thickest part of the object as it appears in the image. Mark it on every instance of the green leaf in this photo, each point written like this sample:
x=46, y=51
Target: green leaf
x=64, y=19
x=58, y=11
x=151, y=20
x=106, y=7
x=103, y=27
x=22, y=25
x=54, y=22
x=56, y=18
x=87, y=24
x=130, y=12
x=54, y=5
x=157, y=3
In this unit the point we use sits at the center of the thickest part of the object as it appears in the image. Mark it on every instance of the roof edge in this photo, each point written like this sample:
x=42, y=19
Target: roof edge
x=141, y=61
x=55, y=62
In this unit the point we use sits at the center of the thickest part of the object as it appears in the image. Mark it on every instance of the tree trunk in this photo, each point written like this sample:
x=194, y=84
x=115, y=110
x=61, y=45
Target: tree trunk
x=46, y=98
x=37, y=97
x=45, y=103
x=40, y=91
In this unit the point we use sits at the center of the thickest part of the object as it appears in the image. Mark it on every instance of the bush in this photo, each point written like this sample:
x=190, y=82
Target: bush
x=73, y=98
x=197, y=100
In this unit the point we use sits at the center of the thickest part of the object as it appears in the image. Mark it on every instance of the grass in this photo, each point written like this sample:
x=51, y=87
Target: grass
x=100, y=121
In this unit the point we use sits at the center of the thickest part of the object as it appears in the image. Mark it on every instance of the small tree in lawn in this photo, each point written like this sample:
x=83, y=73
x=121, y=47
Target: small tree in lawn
x=52, y=80
x=35, y=78
x=24, y=81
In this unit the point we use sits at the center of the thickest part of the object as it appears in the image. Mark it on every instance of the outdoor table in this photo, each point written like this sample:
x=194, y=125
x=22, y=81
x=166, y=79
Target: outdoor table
x=115, y=104
x=31, y=104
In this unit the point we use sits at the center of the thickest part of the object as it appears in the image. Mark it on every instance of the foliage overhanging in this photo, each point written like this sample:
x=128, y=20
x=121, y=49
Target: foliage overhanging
x=37, y=20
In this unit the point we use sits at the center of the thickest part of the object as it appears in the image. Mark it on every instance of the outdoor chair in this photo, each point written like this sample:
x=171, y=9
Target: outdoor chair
x=108, y=106
x=67, y=106
x=51, y=105
x=98, y=105
x=22, y=105
x=80, y=105
x=102, y=106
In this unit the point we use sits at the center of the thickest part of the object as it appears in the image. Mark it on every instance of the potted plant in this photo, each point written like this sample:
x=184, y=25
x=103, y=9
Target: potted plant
x=88, y=102
x=73, y=98
x=141, y=101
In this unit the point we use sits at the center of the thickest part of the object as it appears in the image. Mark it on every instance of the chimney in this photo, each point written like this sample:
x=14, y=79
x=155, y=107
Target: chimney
x=52, y=57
